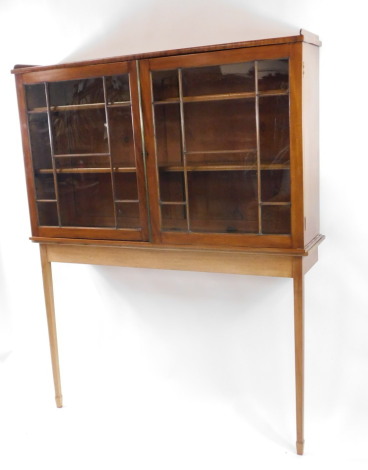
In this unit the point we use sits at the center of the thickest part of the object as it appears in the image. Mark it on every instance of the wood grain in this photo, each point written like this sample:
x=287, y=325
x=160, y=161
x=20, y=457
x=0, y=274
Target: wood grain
x=51, y=322
x=298, y=278
x=175, y=259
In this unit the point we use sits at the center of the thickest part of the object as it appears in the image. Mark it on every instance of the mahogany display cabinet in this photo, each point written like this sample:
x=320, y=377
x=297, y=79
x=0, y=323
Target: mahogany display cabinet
x=202, y=159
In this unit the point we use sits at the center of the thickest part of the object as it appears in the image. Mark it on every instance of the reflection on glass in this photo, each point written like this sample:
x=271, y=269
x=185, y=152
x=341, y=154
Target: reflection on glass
x=172, y=187
x=44, y=186
x=35, y=96
x=168, y=134
x=275, y=185
x=127, y=215
x=220, y=125
x=76, y=92
x=88, y=162
x=117, y=88
x=274, y=129
x=47, y=213
x=219, y=79
x=165, y=85
x=85, y=200
x=126, y=186
x=273, y=75
x=82, y=131
x=276, y=220
x=173, y=217
x=223, y=201
x=40, y=140
x=121, y=137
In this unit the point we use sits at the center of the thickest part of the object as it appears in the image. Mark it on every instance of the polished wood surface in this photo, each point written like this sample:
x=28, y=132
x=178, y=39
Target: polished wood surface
x=298, y=279
x=175, y=259
x=51, y=322
x=303, y=36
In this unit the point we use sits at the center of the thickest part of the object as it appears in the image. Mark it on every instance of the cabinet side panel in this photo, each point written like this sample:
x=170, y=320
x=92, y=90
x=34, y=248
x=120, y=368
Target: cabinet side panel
x=27, y=154
x=311, y=141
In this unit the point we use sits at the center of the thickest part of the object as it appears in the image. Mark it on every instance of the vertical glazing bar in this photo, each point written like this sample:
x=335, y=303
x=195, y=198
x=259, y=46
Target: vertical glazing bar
x=52, y=152
x=184, y=147
x=109, y=150
x=143, y=142
x=259, y=196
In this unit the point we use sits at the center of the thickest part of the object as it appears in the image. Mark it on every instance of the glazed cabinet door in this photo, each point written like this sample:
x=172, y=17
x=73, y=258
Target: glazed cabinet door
x=218, y=140
x=83, y=152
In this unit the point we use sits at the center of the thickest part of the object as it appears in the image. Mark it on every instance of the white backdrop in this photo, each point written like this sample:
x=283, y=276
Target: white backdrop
x=179, y=370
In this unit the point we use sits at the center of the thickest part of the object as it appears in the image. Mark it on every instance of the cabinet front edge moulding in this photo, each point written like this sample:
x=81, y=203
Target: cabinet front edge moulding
x=304, y=36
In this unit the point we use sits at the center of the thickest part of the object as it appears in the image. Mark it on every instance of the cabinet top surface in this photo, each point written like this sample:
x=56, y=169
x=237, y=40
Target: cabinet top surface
x=304, y=36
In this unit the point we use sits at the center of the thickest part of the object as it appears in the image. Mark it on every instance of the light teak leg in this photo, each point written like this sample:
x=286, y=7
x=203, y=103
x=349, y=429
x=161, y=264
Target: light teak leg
x=50, y=311
x=298, y=278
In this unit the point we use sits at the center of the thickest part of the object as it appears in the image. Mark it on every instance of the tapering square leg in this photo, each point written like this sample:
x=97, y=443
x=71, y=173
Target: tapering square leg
x=298, y=278
x=50, y=311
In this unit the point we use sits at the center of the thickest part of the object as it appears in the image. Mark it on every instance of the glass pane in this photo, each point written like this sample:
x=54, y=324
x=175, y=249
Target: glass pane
x=65, y=163
x=222, y=158
x=74, y=92
x=168, y=134
x=121, y=137
x=173, y=217
x=165, y=85
x=273, y=75
x=127, y=215
x=47, y=213
x=36, y=96
x=275, y=185
x=82, y=131
x=45, y=188
x=276, y=220
x=117, y=88
x=274, y=129
x=40, y=141
x=223, y=201
x=219, y=79
x=85, y=200
x=220, y=125
x=126, y=186
x=172, y=187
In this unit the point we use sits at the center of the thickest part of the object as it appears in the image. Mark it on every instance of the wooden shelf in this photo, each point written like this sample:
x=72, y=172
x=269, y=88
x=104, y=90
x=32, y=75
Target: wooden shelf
x=173, y=168
x=176, y=168
x=47, y=171
x=80, y=155
x=183, y=203
x=223, y=96
x=272, y=203
x=79, y=107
